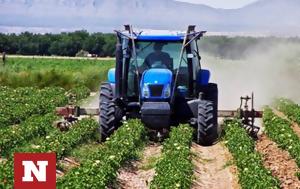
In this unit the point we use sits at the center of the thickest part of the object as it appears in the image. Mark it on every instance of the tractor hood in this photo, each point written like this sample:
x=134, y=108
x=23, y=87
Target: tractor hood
x=156, y=84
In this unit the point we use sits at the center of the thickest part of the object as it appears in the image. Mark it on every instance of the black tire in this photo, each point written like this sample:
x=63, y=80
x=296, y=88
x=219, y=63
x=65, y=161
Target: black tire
x=109, y=116
x=207, y=131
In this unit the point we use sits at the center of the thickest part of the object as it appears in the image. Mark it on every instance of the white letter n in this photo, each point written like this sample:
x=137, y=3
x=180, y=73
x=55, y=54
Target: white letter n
x=29, y=167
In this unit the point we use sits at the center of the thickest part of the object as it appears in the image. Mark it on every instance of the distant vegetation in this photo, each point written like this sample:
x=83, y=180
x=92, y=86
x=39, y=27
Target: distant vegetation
x=100, y=44
x=63, y=44
x=66, y=73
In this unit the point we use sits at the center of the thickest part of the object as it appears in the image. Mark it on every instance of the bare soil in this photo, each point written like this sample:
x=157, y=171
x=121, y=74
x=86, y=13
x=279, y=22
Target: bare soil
x=279, y=162
x=92, y=101
x=138, y=174
x=213, y=168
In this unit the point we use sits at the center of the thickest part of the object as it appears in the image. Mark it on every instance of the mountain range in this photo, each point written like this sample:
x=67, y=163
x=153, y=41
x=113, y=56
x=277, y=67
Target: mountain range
x=263, y=16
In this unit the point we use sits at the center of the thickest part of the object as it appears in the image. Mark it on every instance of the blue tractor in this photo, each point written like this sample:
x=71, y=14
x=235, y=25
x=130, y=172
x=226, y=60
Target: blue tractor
x=158, y=78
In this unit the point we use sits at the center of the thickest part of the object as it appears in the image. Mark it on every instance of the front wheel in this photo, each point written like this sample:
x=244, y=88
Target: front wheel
x=207, y=131
x=109, y=116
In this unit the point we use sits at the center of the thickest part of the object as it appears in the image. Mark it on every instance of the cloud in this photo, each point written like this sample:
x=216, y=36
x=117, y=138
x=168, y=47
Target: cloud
x=228, y=4
x=166, y=14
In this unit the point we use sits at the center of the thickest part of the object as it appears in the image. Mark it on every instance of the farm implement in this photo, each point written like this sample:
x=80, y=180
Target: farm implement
x=158, y=78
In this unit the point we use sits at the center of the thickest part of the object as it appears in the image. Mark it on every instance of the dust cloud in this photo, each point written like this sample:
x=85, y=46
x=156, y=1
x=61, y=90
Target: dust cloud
x=269, y=73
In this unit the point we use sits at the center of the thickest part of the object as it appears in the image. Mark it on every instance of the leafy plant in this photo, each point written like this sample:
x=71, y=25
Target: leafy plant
x=99, y=168
x=19, y=104
x=35, y=126
x=252, y=173
x=175, y=168
x=279, y=131
x=289, y=108
x=59, y=142
x=78, y=93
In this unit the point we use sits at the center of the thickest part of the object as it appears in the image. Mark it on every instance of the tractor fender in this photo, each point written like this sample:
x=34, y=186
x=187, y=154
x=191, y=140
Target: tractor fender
x=193, y=105
x=210, y=93
x=111, y=75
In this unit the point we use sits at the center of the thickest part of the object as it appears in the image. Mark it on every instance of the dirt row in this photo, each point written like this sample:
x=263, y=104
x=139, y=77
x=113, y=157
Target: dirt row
x=279, y=162
x=138, y=174
x=214, y=168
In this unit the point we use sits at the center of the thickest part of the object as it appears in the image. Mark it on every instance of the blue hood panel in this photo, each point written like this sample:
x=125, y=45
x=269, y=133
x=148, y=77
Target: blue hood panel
x=157, y=76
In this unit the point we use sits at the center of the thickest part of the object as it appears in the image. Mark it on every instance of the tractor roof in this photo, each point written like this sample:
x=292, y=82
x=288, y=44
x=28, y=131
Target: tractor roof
x=160, y=35
x=157, y=35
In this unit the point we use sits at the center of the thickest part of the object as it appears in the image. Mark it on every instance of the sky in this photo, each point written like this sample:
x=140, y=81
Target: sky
x=225, y=4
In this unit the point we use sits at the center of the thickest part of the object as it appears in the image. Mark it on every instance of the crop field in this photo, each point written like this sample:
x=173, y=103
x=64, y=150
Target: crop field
x=31, y=88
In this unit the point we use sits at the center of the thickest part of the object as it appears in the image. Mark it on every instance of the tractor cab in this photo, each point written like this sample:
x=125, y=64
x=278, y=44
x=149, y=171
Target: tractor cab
x=158, y=78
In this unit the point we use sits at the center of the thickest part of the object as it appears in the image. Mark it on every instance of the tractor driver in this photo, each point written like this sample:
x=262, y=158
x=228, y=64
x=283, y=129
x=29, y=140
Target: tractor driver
x=158, y=58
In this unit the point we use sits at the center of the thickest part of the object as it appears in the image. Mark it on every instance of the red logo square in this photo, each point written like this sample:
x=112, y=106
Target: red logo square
x=34, y=170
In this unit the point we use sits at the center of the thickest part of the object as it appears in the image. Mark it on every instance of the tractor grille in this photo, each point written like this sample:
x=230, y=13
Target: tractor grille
x=156, y=90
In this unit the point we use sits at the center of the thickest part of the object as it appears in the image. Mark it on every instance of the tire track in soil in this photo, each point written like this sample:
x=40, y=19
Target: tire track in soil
x=293, y=125
x=134, y=175
x=279, y=162
x=212, y=168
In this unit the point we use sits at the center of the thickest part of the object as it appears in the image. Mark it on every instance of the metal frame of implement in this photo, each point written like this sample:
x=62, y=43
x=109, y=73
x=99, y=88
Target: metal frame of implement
x=244, y=113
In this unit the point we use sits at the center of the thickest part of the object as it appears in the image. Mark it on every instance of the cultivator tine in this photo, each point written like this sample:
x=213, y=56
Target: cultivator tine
x=248, y=115
x=69, y=114
x=64, y=125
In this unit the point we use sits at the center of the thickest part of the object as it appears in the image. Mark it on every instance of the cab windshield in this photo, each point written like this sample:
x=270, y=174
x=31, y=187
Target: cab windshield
x=157, y=54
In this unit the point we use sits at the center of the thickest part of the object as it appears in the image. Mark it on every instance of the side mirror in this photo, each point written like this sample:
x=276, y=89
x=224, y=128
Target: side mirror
x=111, y=75
x=203, y=77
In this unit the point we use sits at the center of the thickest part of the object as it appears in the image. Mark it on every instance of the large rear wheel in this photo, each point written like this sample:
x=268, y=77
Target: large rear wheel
x=207, y=131
x=110, y=115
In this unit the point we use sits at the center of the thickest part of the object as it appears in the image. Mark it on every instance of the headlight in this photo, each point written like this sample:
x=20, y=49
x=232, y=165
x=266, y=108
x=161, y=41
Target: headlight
x=146, y=91
x=167, y=91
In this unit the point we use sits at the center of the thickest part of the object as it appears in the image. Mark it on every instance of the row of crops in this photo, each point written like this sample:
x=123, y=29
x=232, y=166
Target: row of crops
x=251, y=170
x=99, y=169
x=20, y=103
x=30, y=89
x=59, y=142
x=26, y=124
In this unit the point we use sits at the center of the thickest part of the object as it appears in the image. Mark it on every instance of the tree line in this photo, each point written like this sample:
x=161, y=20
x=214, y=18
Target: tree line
x=63, y=44
x=103, y=44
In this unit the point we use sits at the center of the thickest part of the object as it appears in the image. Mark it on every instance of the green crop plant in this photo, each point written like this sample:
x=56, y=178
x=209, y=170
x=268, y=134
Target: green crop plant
x=19, y=104
x=279, y=130
x=99, y=168
x=175, y=168
x=59, y=142
x=252, y=173
x=35, y=126
x=289, y=108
